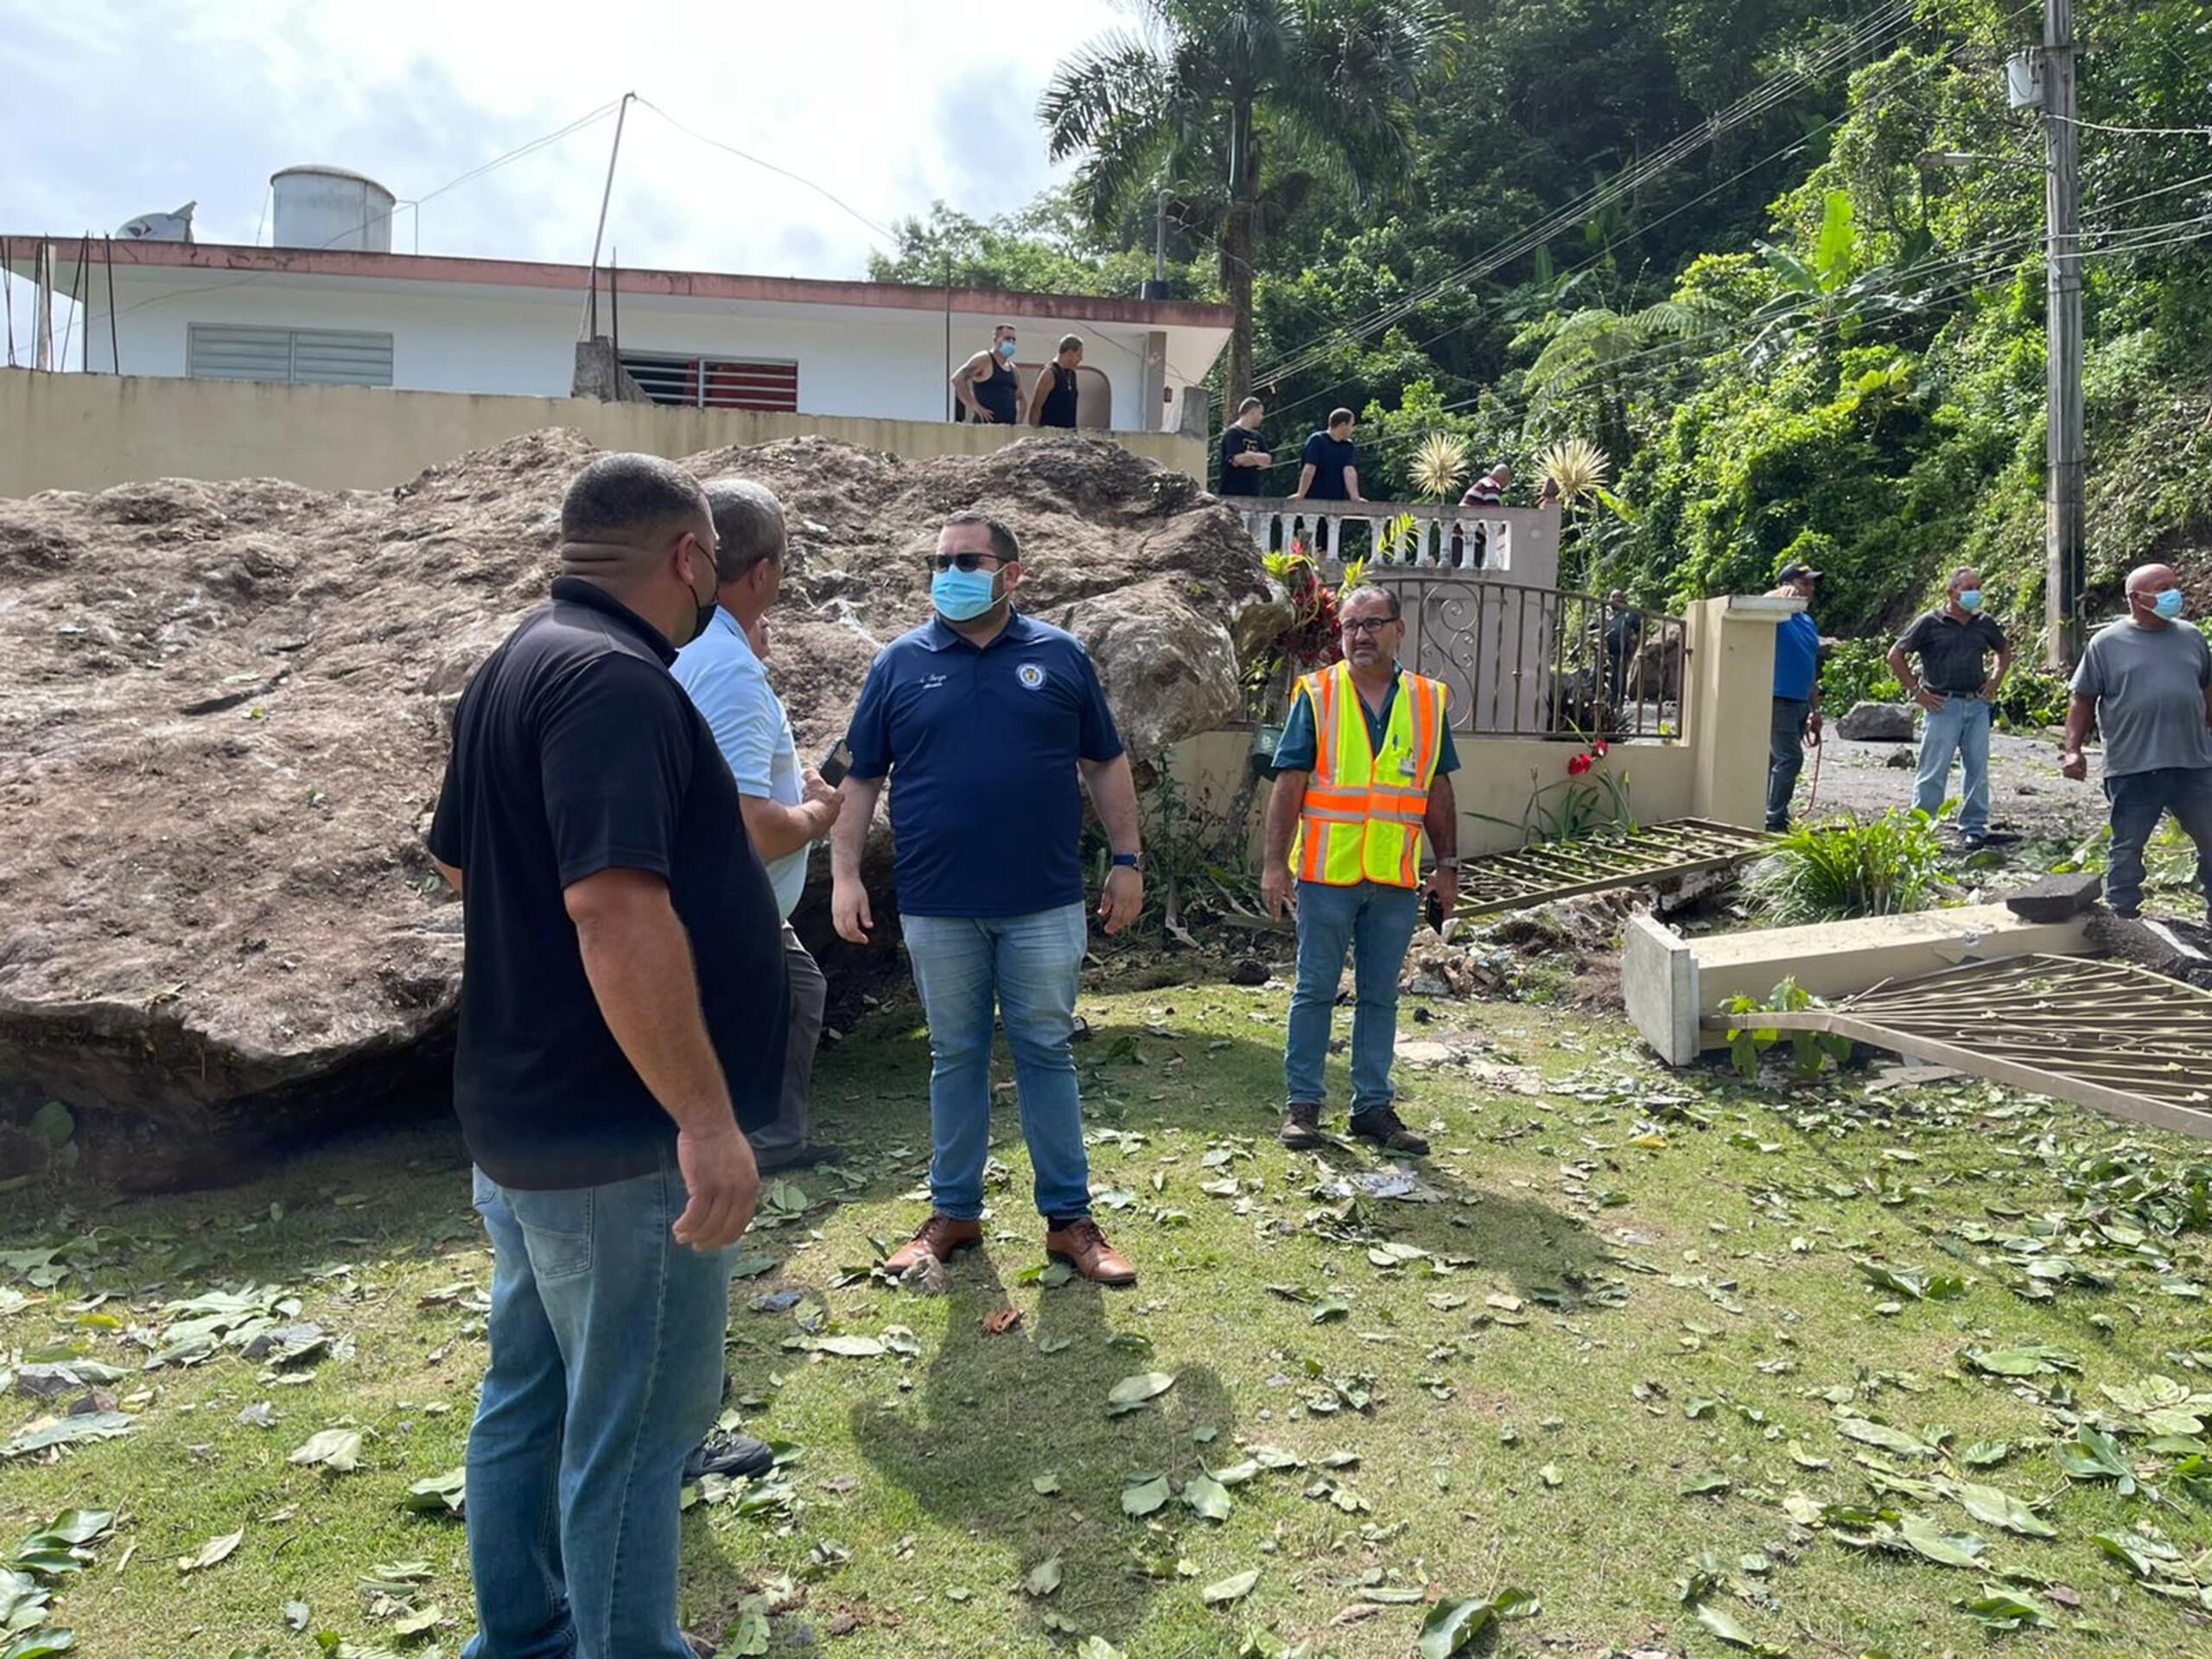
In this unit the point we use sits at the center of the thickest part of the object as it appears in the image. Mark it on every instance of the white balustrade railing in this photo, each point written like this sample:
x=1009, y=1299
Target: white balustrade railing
x=1515, y=544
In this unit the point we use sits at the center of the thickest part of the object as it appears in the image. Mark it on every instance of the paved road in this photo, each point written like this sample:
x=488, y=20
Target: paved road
x=2026, y=794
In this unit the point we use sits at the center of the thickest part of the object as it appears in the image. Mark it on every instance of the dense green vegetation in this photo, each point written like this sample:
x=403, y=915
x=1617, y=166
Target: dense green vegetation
x=1784, y=265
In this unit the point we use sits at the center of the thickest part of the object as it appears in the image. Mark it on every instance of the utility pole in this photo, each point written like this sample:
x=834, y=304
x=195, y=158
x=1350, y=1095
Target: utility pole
x=2065, y=532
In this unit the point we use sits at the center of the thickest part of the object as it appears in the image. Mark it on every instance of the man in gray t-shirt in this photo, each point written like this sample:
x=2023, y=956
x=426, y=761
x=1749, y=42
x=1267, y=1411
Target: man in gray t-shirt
x=2146, y=684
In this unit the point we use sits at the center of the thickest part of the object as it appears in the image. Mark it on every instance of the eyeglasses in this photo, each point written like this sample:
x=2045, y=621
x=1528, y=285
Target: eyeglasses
x=960, y=561
x=1369, y=625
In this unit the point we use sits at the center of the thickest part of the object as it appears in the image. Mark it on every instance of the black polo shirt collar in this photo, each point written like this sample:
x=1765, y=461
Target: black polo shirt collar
x=942, y=636
x=576, y=590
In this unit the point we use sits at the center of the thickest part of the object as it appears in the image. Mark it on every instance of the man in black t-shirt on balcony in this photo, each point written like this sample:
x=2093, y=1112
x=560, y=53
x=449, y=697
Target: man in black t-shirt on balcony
x=622, y=1009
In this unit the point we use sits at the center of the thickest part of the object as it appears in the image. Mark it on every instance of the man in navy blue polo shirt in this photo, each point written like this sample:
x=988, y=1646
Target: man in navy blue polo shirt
x=989, y=725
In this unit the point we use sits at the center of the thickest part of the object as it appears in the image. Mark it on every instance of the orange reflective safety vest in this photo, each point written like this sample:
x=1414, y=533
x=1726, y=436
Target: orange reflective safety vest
x=1362, y=815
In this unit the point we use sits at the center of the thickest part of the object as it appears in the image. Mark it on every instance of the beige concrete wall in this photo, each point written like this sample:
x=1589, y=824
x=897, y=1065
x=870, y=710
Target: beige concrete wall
x=1715, y=769
x=92, y=432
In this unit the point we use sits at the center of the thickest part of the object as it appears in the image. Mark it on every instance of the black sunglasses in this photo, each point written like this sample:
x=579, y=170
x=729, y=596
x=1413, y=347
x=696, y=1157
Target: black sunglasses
x=960, y=561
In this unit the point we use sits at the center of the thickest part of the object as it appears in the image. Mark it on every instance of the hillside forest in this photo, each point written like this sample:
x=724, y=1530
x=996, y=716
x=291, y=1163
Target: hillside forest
x=1782, y=263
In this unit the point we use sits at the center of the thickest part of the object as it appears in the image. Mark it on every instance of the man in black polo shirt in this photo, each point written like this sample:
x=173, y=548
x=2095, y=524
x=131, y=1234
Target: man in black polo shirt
x=1244, y=457
x=1951, y=686
x=622, y=1006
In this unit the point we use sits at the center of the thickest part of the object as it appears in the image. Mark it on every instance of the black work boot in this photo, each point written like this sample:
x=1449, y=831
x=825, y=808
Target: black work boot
x=1301, y=1126
x=1383, y=1126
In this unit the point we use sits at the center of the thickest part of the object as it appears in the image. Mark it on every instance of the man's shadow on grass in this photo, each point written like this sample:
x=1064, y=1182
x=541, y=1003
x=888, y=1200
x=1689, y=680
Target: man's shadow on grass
x=1009, y=1440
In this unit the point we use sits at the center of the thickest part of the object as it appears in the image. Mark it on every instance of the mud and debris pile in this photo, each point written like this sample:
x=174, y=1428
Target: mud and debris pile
x=226, y=709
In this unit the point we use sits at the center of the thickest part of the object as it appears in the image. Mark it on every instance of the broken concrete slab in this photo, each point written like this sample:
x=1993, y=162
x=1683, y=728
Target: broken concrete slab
x=2055, y=897
x=1831, y=960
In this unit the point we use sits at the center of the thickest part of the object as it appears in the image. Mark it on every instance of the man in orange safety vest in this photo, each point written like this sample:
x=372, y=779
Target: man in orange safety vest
x=1362, y=771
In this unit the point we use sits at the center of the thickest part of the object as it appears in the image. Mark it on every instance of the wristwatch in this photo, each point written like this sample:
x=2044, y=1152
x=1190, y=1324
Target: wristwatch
x=1129, y=862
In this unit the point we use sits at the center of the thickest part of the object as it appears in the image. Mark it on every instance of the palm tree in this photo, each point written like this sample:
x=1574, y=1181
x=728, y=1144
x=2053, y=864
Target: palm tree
x=1186, y=107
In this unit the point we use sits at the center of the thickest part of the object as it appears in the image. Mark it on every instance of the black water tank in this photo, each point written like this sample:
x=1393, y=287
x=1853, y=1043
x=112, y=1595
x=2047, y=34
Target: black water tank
x=1157, y=288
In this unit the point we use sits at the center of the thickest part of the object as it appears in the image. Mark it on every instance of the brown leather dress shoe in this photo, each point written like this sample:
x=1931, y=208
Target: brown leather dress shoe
x=940, y=1236
x=1082, y=1247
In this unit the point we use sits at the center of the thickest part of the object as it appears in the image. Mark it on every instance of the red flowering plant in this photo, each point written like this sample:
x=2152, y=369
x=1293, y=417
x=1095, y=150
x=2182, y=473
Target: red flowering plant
x=1312, y=638
x=1600, y=807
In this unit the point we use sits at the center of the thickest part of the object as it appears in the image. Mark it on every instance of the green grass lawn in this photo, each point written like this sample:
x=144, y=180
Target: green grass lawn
x=1632, y=1346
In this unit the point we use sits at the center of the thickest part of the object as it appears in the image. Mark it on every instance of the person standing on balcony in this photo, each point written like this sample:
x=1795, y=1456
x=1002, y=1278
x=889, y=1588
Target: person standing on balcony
x=986, y=387
x=1244, y=457
x=1488, y=490
x=1329, y=470
x=1797, y=723
x=990, y=725
x=2146, y=684
x=1053, y=402
x=1364, y=770
x=1951, y=644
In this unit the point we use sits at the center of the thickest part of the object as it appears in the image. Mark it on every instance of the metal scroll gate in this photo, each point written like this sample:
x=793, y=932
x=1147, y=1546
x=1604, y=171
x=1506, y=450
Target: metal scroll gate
x=1541, y=662
x=2107, y=1035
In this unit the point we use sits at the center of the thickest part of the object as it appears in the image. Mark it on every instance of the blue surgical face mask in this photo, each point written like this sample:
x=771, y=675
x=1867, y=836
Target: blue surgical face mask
x=963, y=595
x=1006, y=348
x=2170, y=603
x=1969, y=598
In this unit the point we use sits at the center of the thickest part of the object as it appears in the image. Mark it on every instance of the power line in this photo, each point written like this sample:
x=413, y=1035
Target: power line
x=782, y=172
x=1888, y=20
x=1795, y=144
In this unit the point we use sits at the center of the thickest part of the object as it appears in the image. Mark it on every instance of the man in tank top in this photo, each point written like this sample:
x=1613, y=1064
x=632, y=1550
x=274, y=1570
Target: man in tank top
x=986, y=387
x=1053, y=402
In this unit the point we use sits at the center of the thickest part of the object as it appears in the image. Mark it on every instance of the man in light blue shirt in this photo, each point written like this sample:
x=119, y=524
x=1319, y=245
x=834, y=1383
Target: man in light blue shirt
x=787, y=808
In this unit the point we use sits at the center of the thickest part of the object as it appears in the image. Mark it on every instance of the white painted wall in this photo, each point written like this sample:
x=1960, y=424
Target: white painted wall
x=851, y=362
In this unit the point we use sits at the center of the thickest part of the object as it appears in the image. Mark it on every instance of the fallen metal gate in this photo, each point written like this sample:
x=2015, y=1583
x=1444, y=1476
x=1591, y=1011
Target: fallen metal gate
x=2107, y=1035
x=1543, y=871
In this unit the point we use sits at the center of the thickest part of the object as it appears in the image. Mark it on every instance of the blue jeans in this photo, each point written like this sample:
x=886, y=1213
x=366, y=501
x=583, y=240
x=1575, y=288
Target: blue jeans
x=1027, y=967
x=1962, y=724
x=1785, y=757
x=607, y=1369
x=1377, y=924
x=2137, y=798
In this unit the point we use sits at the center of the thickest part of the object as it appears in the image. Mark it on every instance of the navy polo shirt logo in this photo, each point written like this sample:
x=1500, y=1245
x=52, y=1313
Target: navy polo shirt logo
x=1030, y=675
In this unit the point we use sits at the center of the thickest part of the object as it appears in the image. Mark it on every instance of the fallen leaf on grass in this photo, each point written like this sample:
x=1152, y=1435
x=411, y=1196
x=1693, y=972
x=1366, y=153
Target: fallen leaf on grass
x=999, y=1320
x=1208, y=1498
x=440, y=1495
x=1999, y=1508
x=849, y=1347
x=1454, y=1627
x=214, y=1550
x=94, y=1426
x=1234, y=1589
x=1132, y=1392
x=1722, y=1624
x=1142, y=1497
x=1044, y=1578
x=336, y=1449
x=2005, y=1610
x=1045, y=1485
x=1881, y=1434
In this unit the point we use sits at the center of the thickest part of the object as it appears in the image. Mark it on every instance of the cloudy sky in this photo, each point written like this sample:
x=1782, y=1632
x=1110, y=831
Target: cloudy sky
x=108, y=111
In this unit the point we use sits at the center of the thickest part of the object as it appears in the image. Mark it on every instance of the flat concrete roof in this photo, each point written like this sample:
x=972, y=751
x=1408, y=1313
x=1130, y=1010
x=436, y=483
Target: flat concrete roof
x=17, y=252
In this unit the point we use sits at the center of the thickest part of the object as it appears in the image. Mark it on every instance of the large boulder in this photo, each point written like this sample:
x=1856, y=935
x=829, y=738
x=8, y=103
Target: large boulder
x=1877, y=723
x=226, y=708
